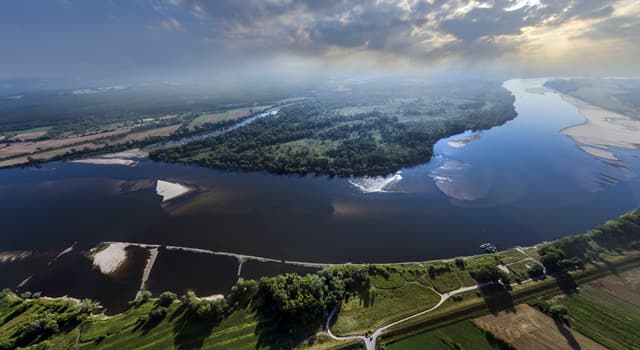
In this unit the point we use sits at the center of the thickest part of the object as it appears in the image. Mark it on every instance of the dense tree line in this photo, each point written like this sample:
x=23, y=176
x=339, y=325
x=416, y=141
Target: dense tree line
x=312, y=137
x=573, y=252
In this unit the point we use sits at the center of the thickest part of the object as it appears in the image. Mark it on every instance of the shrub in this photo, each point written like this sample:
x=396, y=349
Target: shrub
x=558, y=311
x=166, y=298
x=141, y=299
x=535, y=271
x=158, y=313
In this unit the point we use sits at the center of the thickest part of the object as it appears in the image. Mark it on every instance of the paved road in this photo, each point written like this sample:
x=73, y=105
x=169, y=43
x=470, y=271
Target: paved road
x=370, y=341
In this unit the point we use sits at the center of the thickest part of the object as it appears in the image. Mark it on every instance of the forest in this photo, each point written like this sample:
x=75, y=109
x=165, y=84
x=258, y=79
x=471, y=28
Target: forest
x=366, y=132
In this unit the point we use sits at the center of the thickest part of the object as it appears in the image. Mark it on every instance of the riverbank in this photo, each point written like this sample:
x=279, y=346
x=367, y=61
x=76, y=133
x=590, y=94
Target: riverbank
x=126, y=158
x=449, y=291
x=602, y=130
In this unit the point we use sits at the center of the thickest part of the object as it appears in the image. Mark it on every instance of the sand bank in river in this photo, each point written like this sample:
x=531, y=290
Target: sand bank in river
x=602, y=129
x=461, y=142
x=126, y=158
x=12, y=256
x=599, y=152
x=170, y=190
x=109, y=259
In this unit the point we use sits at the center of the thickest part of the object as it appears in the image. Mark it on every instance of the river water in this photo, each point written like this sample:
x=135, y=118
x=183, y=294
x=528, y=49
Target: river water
x=516, y=184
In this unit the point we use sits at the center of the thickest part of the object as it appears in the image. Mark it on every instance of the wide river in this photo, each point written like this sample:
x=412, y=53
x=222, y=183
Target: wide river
x=516, y=184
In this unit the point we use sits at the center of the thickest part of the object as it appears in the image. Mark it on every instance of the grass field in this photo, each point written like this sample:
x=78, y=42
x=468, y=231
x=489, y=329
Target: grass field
x=231, y=114
x=24, y=131
x=442, y=282
x=175, y=331
x=521, y=268
x=610, y=321
x=511, y=256
x=464, y=335
x=358, y=315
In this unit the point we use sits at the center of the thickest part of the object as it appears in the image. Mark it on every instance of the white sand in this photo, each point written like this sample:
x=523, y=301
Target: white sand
x=12, y=256
x=132, y=153
x=599, y=152
x=459, y=143
x=63, y=252
x=111, y=258
x=126, y=158
x=24, y=282
x=170, y=190
x=151, y=260
x=106, y=161
x=602, y=129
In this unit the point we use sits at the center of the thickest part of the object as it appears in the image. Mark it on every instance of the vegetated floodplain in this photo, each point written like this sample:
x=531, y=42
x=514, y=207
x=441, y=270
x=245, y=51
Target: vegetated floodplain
x=460, y=335
x=286, y=310
x=371, y=131
x=62, y=124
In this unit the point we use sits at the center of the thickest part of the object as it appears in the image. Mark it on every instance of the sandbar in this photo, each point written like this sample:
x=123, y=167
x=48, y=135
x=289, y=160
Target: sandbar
x=171, y=190
x=109, y=259
x=602, y=129
x=126, y=158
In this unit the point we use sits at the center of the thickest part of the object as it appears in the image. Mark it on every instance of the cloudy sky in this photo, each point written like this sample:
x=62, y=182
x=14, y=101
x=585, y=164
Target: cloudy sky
x=198, y=39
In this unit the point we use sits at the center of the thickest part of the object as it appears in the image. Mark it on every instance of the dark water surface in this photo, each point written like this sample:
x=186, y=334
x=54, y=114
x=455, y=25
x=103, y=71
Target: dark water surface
x=519, y=183
x=516, y=184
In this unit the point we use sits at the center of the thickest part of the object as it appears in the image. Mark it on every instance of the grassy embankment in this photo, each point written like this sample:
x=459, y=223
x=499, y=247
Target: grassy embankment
x=392, y=292
x=608, y=249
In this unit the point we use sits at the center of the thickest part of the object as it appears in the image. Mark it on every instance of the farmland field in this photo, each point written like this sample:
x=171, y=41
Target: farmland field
x=528, y=328
x=464, y=335
x=625, y=286
x=604, y=318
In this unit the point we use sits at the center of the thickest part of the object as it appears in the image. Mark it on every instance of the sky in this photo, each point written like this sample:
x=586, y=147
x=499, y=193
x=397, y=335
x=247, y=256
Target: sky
x=90, y=41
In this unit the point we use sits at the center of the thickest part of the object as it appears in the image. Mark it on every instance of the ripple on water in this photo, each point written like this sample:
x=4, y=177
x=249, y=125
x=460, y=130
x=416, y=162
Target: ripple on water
x=375, y=184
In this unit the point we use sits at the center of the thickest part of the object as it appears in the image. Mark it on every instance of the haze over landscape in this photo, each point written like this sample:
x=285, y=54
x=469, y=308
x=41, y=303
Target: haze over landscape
x=296, y=174
x=89, y=43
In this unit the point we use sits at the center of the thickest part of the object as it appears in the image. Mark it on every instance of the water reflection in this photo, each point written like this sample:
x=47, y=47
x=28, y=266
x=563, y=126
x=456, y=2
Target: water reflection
x=497, y=165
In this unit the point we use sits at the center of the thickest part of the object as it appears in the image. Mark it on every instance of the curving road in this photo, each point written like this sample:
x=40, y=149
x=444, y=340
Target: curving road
x=370, y=341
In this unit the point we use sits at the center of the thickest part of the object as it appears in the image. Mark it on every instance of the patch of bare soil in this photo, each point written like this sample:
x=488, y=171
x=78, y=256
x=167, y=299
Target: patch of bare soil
x=625, y=286
x=528, y=328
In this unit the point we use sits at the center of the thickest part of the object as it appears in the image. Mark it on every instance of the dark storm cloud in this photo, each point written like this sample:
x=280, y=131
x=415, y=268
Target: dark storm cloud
x=492, y=21
x=124, y=37
x=399, y=27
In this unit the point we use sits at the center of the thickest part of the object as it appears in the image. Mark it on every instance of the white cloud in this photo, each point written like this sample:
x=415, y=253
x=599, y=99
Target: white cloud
x=171, y=24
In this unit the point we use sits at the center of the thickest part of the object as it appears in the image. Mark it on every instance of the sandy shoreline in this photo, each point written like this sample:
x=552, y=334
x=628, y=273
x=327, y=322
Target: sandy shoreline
x=171, y=190
x=109, y=259
x=11, y=256
x=461, y=142
x=126, y=158
x=602, y=129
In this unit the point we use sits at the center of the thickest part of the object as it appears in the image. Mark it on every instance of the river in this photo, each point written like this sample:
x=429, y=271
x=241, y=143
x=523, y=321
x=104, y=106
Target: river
x=517, y=184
